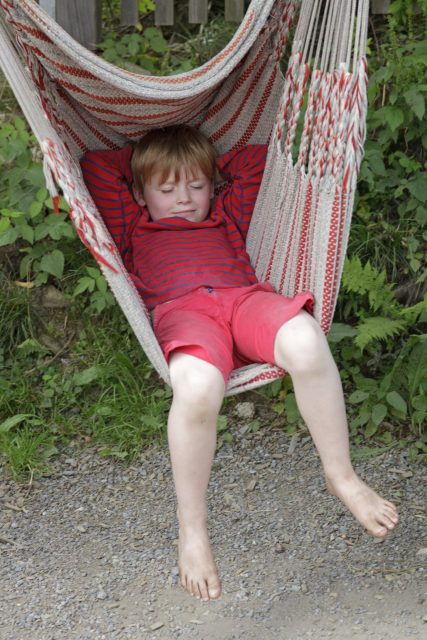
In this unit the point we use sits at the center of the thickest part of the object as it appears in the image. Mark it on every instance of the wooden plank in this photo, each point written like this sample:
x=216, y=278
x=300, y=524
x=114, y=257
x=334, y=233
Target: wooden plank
x=81, y=19
x=380, y=6
x=129, y=12
x=164, y=14
x=234, y=10
x=198, y=11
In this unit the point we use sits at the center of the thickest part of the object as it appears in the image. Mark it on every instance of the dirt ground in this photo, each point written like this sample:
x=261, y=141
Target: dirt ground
x=90, y=552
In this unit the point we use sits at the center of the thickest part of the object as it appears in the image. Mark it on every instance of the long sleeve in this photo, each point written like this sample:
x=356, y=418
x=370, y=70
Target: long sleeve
x=107, y=175
x=244, y=170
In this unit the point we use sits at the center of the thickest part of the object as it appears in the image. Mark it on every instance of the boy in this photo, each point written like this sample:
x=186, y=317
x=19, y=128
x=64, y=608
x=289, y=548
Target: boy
x=185, y=250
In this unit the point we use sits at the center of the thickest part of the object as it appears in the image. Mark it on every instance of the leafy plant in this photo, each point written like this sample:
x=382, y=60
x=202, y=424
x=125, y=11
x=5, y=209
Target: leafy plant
x=27, y=217
x=386, y=367
x=391, y=215
x=95, y=283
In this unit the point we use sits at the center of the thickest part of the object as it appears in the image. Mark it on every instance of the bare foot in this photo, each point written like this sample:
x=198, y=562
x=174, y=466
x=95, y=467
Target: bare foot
x=377, y=515
x=197, y=569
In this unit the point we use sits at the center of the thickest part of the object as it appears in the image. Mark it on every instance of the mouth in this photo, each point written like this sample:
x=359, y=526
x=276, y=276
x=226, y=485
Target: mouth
x=184, y=213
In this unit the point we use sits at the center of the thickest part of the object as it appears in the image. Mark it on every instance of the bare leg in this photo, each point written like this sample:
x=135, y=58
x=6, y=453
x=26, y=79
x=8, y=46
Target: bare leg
x=302, y=349
x=198, y=393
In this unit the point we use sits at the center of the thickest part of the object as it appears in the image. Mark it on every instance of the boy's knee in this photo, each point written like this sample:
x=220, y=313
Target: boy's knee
x=196, y=382
x=300, y=344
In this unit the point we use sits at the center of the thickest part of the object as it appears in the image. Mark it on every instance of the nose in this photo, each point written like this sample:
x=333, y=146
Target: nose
x=183, y=194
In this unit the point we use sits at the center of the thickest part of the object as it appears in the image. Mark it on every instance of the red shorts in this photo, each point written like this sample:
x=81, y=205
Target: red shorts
x=229, y=327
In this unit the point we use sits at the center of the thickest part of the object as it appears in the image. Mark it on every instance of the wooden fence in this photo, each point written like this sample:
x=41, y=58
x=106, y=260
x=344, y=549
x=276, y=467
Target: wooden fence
x=82, y=18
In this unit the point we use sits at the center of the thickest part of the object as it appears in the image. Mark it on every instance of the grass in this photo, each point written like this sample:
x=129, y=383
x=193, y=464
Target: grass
x=101, y=390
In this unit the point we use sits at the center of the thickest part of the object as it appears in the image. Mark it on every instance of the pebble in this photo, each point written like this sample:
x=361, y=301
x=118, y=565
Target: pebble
x=245, y=410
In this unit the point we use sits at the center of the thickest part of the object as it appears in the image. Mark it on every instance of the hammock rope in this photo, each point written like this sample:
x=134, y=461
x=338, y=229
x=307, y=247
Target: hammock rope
x=313, y=119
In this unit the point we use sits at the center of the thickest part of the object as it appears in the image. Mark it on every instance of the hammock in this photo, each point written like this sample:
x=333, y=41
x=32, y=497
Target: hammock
x=313, y=118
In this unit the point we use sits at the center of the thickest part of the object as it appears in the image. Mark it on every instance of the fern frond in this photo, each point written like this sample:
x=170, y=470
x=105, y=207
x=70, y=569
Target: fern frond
x=417, y=368
x=366, y=280
x=411, y=314
x=377, y=328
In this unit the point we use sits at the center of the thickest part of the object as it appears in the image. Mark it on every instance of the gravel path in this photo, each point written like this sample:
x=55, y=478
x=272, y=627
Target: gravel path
x=90, y=552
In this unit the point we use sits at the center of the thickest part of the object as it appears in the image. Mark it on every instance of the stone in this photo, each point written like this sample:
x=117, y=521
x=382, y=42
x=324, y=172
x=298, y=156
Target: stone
x=245, y=410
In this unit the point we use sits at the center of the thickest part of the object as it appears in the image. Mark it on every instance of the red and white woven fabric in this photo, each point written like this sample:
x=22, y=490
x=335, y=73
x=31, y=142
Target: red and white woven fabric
x=313, y=118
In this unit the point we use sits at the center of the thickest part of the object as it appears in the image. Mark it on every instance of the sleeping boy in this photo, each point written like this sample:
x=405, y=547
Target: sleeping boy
x=184, y=247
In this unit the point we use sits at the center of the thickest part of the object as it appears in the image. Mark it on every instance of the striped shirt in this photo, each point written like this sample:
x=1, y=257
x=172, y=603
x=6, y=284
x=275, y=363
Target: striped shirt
x=173, y=256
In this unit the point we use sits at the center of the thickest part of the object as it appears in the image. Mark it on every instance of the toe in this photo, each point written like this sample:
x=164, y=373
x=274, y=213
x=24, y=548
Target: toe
x=392, y=514
x=203, y=589
x=214, y=591
x=379, y=532
x=183, y=581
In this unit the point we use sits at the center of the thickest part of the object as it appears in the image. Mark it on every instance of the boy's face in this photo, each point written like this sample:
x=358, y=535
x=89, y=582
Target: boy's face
x=188, y=197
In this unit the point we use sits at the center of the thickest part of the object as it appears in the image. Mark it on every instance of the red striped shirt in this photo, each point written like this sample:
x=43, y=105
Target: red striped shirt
x=173, y=256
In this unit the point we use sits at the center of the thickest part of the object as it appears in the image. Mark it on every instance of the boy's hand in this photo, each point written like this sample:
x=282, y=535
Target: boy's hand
x=137, y=194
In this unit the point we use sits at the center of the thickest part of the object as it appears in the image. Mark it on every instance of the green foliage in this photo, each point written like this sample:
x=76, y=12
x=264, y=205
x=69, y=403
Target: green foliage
x=27, y=217
x=391, y=216
x=148, y=49
x=93, y=394
x=95, y=283
x=386, y=370
x=375, y=295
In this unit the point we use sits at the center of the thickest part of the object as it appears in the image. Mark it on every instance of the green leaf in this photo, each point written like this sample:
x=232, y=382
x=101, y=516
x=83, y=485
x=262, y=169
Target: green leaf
x=133, y=48
x=358, y=396
x=222, y=423
x=27, y=233
x=53, y=263
x=11, y=422
x=159, y=45
x=31, y=346
x=93, y=272
x=82, y=378
x=144, y=6
x=152, y=32
x=371, y=429
x=339, y=331
x=278, y=407
x=377, y=328
x=417, y=368
x=35, y=208
x=379, y=412
x=292, y=412
x=416, y=101
x=84, y=284
x=396, y=401
x=9, y=236
x=4, y=225
x=366, y=453
x=394, y=116
x=418, y=187
x=101, y=283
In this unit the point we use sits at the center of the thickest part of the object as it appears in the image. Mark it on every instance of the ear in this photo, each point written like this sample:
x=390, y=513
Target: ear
x=138, y=195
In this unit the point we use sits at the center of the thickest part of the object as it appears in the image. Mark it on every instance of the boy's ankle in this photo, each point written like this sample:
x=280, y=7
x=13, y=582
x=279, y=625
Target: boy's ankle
x=189, y=522
x=340, y=476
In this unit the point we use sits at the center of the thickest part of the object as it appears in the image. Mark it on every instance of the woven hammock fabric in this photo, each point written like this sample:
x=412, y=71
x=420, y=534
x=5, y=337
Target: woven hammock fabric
x=75, y=101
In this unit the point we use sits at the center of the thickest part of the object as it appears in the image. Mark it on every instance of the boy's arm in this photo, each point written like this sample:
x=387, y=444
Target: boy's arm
x=244, y=169
x=108, y=176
